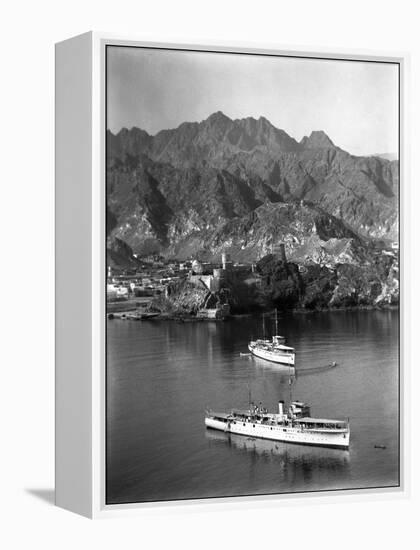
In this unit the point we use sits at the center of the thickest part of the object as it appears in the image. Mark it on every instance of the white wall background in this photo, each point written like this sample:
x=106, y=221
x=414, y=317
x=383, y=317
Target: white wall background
x=29, y=30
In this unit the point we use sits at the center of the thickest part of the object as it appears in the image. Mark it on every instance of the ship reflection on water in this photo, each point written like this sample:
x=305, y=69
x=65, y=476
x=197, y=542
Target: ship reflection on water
x=295, y=463
x=279, y=369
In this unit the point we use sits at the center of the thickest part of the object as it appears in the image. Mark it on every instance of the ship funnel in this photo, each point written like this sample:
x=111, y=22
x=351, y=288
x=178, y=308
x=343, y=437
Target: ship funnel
x=281, y=405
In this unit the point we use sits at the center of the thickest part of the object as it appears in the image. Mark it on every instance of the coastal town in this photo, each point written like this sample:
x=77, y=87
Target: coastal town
x=132, y=293
x=158, y=288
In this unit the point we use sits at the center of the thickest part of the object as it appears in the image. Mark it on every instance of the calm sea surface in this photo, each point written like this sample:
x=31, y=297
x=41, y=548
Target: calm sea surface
x=161, y=375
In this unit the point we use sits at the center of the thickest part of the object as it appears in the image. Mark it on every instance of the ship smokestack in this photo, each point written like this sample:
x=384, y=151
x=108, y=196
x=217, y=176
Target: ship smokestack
x=281, y=405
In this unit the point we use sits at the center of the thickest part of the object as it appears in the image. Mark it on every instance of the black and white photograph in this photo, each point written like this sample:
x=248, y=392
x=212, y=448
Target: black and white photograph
x=252, y=274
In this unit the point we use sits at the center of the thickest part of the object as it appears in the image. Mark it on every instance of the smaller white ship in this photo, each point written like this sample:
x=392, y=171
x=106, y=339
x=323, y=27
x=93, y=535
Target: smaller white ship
x=294, y=426
x=274, y=350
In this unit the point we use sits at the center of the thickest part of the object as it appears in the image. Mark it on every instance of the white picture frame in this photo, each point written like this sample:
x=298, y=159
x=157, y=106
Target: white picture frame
x=80, y=291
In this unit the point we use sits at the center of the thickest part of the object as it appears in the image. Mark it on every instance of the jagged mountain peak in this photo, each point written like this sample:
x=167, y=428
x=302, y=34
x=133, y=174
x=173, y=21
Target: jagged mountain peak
x=134, y=130
x=218, y=116
x=318, y=139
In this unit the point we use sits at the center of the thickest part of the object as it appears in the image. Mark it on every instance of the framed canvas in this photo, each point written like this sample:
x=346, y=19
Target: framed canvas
x=229, y=274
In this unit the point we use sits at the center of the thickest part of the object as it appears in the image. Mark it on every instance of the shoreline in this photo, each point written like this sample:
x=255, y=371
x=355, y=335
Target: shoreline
x=135, y=313
x=386, y=307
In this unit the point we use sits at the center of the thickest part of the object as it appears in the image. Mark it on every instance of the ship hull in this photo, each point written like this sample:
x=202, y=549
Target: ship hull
x=334, y=439
x=288, y=359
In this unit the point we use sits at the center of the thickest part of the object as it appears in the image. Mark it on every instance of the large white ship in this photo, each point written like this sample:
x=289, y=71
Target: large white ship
x=273, y=350
x=294, y=426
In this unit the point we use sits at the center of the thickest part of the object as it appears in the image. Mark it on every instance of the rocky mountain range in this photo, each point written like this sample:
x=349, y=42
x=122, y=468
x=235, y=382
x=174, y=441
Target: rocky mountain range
x=243, y=186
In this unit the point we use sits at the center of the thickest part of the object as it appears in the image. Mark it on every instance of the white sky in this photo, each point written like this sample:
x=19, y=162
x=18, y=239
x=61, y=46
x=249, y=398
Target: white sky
x=355, y=103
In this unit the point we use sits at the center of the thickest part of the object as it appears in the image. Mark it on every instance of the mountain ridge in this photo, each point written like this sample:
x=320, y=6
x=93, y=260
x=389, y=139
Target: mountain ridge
x=237, y=165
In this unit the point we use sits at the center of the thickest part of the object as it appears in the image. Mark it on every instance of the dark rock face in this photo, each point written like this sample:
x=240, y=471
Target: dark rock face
x=281, y=284
x=319, y=284
x=318, y=287
x=119, y=254
x=285, y=287
x=317, y=140
x=182, y=297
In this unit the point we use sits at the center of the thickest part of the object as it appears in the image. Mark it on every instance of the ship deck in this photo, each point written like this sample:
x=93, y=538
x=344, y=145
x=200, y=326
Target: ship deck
x=270, y=346
x=310, y=420
x=314, y=424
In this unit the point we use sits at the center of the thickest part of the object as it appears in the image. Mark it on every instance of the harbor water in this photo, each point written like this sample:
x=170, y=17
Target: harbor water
x=162, y=375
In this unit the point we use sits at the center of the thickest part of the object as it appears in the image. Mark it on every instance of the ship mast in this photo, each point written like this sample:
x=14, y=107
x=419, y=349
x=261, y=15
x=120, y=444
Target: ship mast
x=290, y=387
x=277, y=324
x=263, y=316
x=249, y=397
